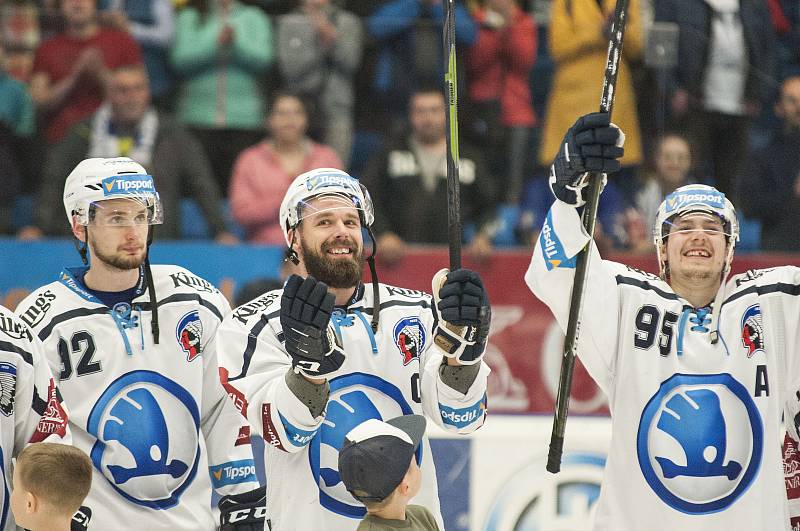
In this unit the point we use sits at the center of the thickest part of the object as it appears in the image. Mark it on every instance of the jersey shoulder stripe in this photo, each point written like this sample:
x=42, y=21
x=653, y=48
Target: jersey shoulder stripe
x=645, y=285
x=7, y=346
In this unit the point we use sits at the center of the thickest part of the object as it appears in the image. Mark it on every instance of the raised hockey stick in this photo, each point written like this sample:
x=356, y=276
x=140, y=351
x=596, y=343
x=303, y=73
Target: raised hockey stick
x=589, y=218
x=451, y=90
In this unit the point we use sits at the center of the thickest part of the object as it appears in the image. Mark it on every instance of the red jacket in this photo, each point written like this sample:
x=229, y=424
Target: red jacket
x=499, y=65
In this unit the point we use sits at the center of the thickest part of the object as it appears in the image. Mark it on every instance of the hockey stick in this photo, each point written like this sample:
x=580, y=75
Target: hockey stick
x=589, y=218
x=451, y=90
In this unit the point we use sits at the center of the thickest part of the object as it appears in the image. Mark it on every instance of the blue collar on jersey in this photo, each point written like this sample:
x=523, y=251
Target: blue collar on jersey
x=340, y=316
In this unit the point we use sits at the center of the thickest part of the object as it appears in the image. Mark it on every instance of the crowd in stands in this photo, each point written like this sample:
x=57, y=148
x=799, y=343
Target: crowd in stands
x=226, y=101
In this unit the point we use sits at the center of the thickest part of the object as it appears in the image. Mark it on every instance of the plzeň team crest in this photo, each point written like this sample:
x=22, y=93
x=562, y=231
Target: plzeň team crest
x=752, y=330
x=354, y=398
x=700, y=442
x=189, y=333
x=409, y=336
x=146, y=459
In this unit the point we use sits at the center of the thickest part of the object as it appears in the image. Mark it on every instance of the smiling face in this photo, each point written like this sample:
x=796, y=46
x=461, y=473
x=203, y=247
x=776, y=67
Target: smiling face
x=696, y=249
x=329, y=242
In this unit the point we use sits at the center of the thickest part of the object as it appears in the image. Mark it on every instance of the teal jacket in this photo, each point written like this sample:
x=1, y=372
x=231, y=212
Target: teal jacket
x=221, y=87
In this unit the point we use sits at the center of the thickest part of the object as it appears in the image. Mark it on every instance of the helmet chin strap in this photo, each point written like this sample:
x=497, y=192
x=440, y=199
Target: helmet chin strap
x=148, y=274
x=376, y=294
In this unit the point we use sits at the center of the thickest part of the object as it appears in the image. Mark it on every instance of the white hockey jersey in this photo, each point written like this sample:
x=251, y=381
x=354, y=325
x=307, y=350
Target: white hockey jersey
x=393, y=372
x=30, y=402
x=154, y=419
x=696, y=426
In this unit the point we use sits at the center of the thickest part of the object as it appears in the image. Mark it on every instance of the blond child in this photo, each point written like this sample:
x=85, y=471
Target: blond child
x=50, y=483
x=378, y=466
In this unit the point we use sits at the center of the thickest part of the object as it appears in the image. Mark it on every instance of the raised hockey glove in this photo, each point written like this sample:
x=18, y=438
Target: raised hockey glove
x=310, y=339
x=592, y=144
x=80, y=520
x=463, y=315
x=244, y=512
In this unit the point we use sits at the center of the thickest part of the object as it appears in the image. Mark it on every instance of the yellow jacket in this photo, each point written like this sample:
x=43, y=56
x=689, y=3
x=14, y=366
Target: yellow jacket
x=579, y=49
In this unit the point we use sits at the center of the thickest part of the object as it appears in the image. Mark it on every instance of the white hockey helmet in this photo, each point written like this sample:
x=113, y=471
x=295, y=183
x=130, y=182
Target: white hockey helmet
x=99, y=179
x=692, y=198
x=328, y=182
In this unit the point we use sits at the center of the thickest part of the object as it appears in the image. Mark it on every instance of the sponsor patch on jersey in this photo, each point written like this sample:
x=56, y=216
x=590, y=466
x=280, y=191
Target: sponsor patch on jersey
x=255, y=307
x=181, y=278
x=700, y=442
x=234, y=394
x=409, y=336
x=54, y=419
x=552, y=248
x=233, y=473
x=243, y=438
x=271, y=436
x=132, y=184
x=34, y=313
x=147, y=447
x=11, y=327
x=189, y=334
x=69, y=281
x=298, y=437
x=752, y=330
x=463, y=417
x=8, y=388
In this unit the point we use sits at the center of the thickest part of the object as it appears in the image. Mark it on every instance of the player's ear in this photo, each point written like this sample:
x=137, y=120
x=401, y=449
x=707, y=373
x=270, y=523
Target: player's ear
x=79, y=231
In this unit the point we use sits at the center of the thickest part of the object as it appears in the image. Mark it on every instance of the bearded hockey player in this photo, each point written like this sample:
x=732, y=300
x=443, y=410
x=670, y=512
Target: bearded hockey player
x=315, y=359
x=697, y=367
x=128, y=344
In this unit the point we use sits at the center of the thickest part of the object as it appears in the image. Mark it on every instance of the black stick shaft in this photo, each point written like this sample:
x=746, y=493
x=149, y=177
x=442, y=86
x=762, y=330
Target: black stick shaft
x=581, y=268
x=451, y=93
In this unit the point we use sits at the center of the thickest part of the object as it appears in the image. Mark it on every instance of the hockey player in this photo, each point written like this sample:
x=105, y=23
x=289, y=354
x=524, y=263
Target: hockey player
x=31, y=408
x=313, y=360
x=128, y=344
x=696, y=366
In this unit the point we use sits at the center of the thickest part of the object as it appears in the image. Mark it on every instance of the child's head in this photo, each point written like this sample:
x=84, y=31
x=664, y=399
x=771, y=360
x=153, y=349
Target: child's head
x=50, y=481
x=377, y=461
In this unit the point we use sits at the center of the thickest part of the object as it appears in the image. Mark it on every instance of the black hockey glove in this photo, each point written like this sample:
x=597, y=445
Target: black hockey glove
x=306, y=308
x=464, y=315
x=80, y=520
x=592, y=144
x=244, y=512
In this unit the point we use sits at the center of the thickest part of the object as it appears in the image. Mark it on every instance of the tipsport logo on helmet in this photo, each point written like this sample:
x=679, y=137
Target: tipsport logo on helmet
x=128, y=185
x=328, y=180
x=678, y=200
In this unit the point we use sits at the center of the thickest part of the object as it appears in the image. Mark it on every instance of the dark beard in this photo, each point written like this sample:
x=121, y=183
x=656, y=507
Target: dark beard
x=335, y=273
x=117, y=262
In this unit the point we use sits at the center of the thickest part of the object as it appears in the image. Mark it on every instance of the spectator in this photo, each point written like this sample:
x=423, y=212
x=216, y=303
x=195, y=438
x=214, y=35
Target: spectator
x=16, y=130
x=378, y=466
x=771, y=182
x=19, y=31
x=319, y=50
x=672, y=164
x=409, y=181
x=127, y=125
x=262, y=173
x=499, y=67
x=726, y=50
x=72, y=70
x=222, y=50
x=50, y=483
x=579, y=36
x=152, y=24
x=409, y=33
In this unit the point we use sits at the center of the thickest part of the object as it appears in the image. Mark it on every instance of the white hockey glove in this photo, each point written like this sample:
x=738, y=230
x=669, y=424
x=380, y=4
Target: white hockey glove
x=310, y=340
x=461, y=306
x=592, y=144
